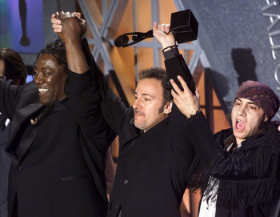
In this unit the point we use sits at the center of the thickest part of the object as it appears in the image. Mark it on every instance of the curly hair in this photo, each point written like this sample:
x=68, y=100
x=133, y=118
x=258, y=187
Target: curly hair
x=160, y=74
x=57, y=49
x=14, y=68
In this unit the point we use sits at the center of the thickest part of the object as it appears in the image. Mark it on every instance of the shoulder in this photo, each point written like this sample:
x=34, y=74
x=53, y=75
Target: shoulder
x=222, y=135
x=264, y=140
x=27, y=94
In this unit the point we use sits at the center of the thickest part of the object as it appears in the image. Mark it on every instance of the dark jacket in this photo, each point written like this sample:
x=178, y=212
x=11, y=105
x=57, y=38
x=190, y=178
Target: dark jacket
x=5, y=163
x=57, y=164
x=153, y=167
x=247, y=178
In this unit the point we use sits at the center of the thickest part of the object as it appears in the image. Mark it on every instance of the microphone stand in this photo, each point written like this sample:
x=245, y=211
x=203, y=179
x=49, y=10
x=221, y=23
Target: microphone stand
x=122, y=40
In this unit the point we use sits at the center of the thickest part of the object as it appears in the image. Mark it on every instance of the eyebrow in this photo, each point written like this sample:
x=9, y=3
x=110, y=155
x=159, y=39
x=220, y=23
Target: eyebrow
x=41, y=67
x=144, y=94
x=250, y=103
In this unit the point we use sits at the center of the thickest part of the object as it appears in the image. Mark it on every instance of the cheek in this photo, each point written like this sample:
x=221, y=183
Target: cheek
x=57, y=82
x=255, y=126
x=50, y=80
x=258, y=125
x=232, y=116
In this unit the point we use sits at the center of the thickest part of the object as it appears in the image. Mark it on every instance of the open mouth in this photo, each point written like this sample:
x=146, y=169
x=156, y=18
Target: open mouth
x=42, y=90
x=240, y=125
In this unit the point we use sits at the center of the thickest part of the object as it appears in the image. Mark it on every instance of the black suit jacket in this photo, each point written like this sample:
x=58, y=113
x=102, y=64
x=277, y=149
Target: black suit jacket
x=153, y=167
x=5, y=163
x=57, y=164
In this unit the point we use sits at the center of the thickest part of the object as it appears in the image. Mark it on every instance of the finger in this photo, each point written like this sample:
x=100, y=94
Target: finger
x=175, y=87
x=78, y=15
x=83, y=21
x=55, y=21
x=162, y=27
x=176, y=97
x=62, y=15
x=176, y=102
x=67, y=14
x=184, y=85
x=174, y=94
x=167, y=28
x=197, y=93
x=84, y=25
x=56, y=26
x=159, y=27
x=57, y=15
x=57, y=29
x=155, y=26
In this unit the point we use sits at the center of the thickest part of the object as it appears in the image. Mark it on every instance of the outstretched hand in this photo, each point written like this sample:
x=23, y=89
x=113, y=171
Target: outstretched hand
x=163, y=35
x=186, y=102
x=68, y=25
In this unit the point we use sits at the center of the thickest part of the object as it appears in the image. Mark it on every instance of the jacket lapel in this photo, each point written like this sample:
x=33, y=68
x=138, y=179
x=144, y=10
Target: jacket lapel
x=30, y=135
x=17, y=150
x=21, y=116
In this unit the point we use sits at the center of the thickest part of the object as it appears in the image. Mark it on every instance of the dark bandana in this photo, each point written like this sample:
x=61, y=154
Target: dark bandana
x=261, y=95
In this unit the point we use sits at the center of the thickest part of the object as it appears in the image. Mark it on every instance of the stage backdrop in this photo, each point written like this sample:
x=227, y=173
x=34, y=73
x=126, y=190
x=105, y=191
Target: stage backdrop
x=22, y=25
x=25, y=25
x=241, y=40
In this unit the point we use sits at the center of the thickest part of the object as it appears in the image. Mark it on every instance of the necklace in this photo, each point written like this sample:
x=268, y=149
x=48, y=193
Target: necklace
x=35, y=120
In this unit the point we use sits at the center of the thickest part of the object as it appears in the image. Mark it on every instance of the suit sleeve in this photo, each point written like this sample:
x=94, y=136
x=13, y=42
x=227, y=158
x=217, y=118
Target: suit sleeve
x=112, y=108
x=84, y=103
x=14, y=97
x=176, y=66
x=8, y=93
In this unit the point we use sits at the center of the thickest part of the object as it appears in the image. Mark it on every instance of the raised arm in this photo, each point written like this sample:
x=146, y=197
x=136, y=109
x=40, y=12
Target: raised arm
x=113, y=109
x=175, y=65
x=220, y=163
x=174, y=62
x=80, y=86
x=71, y=35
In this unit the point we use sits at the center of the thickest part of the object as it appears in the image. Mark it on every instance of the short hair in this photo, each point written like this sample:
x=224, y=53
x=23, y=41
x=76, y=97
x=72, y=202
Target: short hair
x=14, y=68
x=160, y=74
x=57, y=49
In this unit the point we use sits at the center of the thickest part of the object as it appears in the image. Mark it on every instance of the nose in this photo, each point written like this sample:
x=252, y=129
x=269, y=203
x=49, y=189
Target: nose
x=242, y=111
x=38, y=78
x=136, y=104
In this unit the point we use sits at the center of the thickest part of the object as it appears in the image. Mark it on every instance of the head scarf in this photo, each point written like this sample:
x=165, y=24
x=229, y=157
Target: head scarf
x=261, y=95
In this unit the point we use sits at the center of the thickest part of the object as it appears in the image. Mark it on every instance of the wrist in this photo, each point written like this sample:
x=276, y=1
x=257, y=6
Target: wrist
x=166, y=48
x=167, y=43
x=195, y=113
x=72, y=40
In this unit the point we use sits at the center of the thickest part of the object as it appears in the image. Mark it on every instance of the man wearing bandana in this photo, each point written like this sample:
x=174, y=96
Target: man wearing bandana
x=242, y=163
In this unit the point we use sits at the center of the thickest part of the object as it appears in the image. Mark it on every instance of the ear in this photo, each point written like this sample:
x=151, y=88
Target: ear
x=17, y=81
x=265, y=118
x=168, y=107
